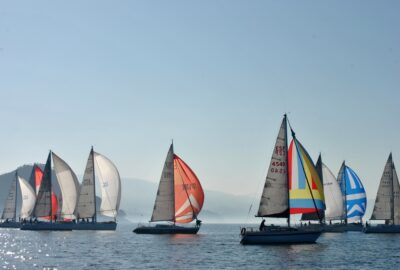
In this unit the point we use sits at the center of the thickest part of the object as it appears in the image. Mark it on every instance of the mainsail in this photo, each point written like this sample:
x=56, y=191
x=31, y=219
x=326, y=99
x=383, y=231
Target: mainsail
x=189, y=195
x=10, y=205
x=387, y=202
x=69, y=187
x=274, y=199
x=28, y=198
x=306, y=192
x=86, y=201
x=43, y=202
x=353, y=193
x=110, y=185
x=164, y=206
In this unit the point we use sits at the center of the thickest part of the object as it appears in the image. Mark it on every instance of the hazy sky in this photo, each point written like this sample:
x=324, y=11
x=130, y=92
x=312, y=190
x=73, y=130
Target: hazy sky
x=216, y=76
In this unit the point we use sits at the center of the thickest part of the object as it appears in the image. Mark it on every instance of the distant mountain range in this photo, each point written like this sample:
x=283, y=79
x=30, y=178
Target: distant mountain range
x=138, y=198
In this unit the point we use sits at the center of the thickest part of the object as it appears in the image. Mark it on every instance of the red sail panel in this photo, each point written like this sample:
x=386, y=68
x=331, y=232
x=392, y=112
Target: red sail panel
x=189, y=195
x=38, y=178
x=54, y=206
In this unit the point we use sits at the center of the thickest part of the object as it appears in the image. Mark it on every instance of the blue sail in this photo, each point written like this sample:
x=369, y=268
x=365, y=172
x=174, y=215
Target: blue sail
x=353, y=189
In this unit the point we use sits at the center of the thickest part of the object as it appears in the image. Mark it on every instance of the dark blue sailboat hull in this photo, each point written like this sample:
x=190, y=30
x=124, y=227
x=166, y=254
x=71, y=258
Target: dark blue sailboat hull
x=382, y=228
x=166, y=229
x=10, y=224
x=341, y=227
x=95, y=226
x=47, y=226
x=280, y=235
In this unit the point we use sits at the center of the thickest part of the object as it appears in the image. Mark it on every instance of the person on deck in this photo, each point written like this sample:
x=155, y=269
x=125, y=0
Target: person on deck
x=262, y=225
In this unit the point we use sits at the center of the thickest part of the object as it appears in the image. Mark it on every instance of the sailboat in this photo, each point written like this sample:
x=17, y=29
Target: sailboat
x=354, y=200
x=179, y=199
x=45, y=217
x=9, y=214
x=292, y=186
x=387, y=202
x=110, y=185
x=333, y=199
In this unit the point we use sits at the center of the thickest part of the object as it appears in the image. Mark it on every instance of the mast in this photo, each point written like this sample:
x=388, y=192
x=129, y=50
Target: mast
x=392, y=193
x=16, y=195
x=173, y=179
x=345, y=192
x=287, y=171
x=94, y=218
x=51, y=195
x=308, y=184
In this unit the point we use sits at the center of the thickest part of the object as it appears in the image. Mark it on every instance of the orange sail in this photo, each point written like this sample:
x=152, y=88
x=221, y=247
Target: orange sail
x=189, y=195
x=38, y=178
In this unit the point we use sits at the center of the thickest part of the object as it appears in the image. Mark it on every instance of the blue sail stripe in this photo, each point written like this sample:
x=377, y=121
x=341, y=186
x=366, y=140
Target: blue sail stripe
x=355, y=207
x=306, y=203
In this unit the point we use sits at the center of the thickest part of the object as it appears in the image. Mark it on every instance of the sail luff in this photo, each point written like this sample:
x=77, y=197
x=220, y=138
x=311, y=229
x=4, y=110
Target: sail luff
x=164, y=206
x=274, y=200
x=43, y=206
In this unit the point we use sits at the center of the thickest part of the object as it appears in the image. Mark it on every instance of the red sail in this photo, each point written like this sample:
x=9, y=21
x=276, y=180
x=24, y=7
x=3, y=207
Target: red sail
x=189, y=195
x=54, y=206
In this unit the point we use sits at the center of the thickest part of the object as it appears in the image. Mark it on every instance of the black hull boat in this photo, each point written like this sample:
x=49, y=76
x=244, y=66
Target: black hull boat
x=279, y=235
x=166, y=229
x=10, y=225
x=95, y=226
x=381, y=228
x=47, y=226
x=341, y=227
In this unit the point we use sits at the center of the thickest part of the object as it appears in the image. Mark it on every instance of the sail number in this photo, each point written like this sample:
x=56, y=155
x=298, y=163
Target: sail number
x=280, y=150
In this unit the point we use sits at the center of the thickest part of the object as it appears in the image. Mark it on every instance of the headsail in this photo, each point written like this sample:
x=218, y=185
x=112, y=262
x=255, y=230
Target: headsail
x=36, y=178
x=9, y=211
x=189, y=195
x=86, y=201
x=110, y=185
x=43, y=200
x=28, y=198
x=396, y=197
x=164, y=206
x=274, y=199
x=69, y=186
x=354, y=192
x=333, y=195
x=302, y=177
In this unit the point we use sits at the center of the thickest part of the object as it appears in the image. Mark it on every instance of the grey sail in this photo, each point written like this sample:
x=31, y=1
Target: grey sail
x=11, y=201
x=86, y=207
x=43, y=200
x=384, y=198
x=342, y=185
x=274, y=198
x=164, y=206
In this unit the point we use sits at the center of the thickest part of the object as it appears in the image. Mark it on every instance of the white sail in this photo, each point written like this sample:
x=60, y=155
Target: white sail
x=164, y=206
x=333, y=195
x=68, y=183
x=110, y=185
x=11, y=201
x=274, y=199
x=28, y=198
x=86, y=201
x=383, y=202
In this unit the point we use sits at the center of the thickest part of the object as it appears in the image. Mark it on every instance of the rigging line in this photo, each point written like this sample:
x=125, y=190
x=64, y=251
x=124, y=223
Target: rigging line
x=187, y=194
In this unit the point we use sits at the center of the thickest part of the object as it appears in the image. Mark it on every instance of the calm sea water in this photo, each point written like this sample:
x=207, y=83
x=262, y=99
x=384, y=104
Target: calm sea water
x=215, y=247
